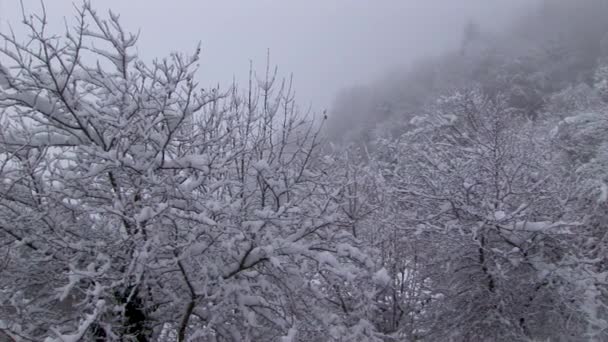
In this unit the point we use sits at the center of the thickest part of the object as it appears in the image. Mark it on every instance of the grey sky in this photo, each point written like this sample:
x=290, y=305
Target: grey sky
x=327, y=44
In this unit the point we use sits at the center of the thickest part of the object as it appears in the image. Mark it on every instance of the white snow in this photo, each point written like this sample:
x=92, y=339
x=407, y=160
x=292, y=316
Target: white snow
x=603, y=193
x=291, y=335
x=381, y=277
x=499, y=215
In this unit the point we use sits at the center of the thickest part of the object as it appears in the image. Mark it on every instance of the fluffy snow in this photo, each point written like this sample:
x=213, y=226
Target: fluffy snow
x=603, y=193
x=381, y=277
x=499, y=215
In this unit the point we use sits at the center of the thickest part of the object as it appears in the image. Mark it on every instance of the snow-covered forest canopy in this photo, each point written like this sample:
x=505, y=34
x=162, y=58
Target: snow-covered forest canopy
x=465, y=199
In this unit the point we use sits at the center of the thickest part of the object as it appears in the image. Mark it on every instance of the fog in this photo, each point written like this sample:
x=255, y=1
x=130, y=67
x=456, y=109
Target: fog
x=327, y=45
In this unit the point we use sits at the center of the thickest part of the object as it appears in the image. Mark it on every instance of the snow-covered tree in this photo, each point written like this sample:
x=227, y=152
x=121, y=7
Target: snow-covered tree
x=136, y=206
x=582, y=139
x=490, y=211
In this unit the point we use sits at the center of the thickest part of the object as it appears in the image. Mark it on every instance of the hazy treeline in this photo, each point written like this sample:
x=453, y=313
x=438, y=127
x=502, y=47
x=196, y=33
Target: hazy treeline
x=557, y=45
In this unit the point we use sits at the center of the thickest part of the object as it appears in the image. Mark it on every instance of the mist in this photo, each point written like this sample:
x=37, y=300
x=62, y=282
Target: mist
x=326, y=45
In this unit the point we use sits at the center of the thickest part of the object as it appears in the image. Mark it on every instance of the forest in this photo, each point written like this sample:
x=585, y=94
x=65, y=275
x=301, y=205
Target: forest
x=462, y=199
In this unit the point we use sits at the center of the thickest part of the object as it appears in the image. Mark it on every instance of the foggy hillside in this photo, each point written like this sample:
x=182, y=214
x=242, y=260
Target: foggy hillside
x=548, y=48
x=461, y=198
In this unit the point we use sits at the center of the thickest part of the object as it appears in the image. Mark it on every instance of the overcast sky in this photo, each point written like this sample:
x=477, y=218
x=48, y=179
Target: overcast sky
x=327, y=44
